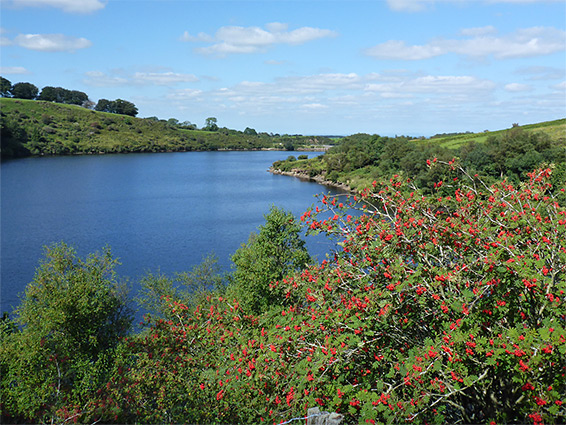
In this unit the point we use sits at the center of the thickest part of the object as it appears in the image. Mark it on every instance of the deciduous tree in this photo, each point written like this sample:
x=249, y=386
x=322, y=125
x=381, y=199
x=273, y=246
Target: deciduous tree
x=5, y=87
x=71, y=319
x=268, y=256
x=24, y=91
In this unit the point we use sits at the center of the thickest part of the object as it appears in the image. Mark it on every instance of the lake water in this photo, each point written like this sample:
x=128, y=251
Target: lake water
x=158, y=212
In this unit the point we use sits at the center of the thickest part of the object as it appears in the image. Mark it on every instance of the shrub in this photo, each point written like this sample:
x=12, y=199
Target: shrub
x=445, y=308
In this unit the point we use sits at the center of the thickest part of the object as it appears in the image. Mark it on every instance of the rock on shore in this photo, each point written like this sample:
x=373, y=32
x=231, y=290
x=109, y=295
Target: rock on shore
x=300, y=174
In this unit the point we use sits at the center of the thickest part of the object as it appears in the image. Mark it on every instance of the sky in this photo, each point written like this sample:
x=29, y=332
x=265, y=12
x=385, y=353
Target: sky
x=338, y=67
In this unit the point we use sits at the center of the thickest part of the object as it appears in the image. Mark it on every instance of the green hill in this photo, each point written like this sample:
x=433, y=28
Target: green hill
x=31, y=127
x=360, y=159
x=555, y=129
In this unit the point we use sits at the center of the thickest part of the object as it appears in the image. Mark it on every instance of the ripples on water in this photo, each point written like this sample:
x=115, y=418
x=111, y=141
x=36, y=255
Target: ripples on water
x=156, y=211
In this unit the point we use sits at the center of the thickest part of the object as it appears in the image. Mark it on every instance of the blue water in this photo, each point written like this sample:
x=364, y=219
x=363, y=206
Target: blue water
x=157, y=212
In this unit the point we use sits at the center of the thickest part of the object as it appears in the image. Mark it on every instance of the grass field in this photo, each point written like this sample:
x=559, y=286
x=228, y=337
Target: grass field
x=555, y=129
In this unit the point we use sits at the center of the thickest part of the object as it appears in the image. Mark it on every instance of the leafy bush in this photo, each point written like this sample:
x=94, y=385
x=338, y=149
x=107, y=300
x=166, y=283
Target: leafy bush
x=437, y=309
x=276, y=251
x=72, y=318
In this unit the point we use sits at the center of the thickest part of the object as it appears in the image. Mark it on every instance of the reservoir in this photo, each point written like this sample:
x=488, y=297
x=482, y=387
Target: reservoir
x=159, y=212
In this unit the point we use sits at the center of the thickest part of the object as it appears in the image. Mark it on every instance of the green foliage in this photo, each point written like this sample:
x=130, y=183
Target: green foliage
x=5, y=87
x=276, y=251
x=13, y=138
x=361, y=158
x=118, y=106
x=76, y=130
x=24, y=91
x=446, y=305
x=440, y=309
x=71, y=319
x=556, y=129
x=211, y=124
x=190, y=288
x=61, y=95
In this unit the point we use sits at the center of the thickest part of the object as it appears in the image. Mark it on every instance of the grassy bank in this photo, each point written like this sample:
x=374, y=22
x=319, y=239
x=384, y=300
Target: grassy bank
x=31, y=127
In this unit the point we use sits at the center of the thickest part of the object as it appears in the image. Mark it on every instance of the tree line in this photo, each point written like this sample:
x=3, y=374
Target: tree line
x=29, y=91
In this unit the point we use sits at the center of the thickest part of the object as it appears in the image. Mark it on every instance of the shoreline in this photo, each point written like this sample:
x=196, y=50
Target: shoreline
x=317, y=179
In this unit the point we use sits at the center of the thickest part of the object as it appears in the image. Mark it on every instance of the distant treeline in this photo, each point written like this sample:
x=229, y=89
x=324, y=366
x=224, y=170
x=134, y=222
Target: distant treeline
x=46, y=128
x=29, y=91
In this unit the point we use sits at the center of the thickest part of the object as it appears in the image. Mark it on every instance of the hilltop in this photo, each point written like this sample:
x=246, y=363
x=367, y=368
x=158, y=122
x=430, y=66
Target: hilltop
x=32, y=127
x=556, y=129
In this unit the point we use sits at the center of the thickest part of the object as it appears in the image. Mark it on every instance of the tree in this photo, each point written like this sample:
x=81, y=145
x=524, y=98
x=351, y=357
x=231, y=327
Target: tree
x=438, y=309
x=276, y=251
x=187, y=125
x=173, y=122
x=103, y=105
x=72, y=318
x=5, y=87
x=51, y=94
x=210, y=124
x=250, y=131
x=75, y=97
x=117, y=106
x=13, y=138
x=190, y=288
x=124, y=107
x=24, y=91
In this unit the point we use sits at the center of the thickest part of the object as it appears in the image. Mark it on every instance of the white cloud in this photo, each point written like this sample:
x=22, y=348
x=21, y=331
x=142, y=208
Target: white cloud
x=527, y=42
x=13, y=70
x=100, y=79
x=535, y=73
x=408, y=5
x=234, y=39
x=314, y=106
x=359, y=94
x=187, y=37
x=432, y=84
x=516, y=87
x=70, y=6
x=398, y=50
x=479, y=31
x=120, y=78
x=421, y=5
x=184, y=94
x=163, y=78
x=523, y=1
x=275, y=62
x=51, y=42
x=385, y=103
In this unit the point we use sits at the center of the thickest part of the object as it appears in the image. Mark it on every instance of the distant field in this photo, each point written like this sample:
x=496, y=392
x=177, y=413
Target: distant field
x=555, y=129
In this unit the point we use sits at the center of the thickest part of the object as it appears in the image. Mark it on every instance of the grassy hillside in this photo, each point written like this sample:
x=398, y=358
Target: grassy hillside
x=32, y=127
x=555, y=129
x=360, y=159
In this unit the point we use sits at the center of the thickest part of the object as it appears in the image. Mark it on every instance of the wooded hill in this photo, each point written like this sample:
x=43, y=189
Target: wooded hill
x=360, y=159
x=32, y=127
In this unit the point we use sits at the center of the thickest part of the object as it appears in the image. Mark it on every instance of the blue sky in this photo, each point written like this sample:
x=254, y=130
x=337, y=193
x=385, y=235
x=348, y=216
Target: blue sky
x=414, y=67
